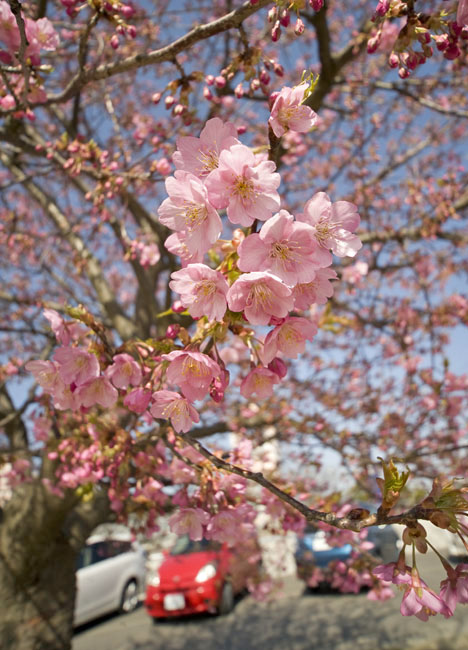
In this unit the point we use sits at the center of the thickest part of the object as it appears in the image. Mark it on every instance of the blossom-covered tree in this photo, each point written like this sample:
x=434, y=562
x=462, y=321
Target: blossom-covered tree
x=242, y=218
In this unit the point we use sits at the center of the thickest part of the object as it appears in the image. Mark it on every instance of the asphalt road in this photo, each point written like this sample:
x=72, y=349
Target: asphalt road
x=295, y=621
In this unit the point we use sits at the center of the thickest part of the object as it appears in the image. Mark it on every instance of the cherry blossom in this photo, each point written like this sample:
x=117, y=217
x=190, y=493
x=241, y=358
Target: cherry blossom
x=189, y=521
x=315, y=292
x=202, y=289
x=289, y=338
x=259, y=381
x=46, y=373
x=454, y=589
x=76, y=365
x=200, y=156
x=188, y=210
x=246, y=187
x=333, y=224
x=137, y=400
x=98, y=390
x=285, y=247
x=192, y=371
x=124, y=371
x=288, y=112
x=172, y=406
x=260, y=295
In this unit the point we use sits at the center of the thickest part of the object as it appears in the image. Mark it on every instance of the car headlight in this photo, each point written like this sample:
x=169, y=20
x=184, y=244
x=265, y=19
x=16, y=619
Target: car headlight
x=206, y=572
x=154, y=580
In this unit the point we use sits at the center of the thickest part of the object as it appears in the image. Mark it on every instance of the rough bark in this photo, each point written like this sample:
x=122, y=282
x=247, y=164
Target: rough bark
x=40, y=536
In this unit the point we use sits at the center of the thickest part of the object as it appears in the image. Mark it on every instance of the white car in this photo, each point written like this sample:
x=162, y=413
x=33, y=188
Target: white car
x=110, y=577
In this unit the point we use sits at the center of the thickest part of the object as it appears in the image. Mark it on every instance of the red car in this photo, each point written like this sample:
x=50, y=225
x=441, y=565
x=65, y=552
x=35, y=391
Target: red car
x=201, y=576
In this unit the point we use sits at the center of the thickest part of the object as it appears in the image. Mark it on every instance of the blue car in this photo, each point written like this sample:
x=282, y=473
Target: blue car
x=313, y=551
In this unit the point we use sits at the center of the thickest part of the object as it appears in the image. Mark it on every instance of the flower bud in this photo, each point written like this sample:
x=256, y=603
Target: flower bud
x=285, y=18
x=276, y=32
x=114, y=41
x=169, y=101
x=299, y=27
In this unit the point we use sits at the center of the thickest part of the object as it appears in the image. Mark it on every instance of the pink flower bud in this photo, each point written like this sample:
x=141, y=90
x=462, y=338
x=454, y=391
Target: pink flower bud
x=373, y=43
x=285, y=18
x=220, y=81
x=132, y=31
x=114, y=41
x=278, y=366
x=452, y=52
x=163, y=167
x=169, y=101
x=209, y=80
x=393, y=60
x=255, y=84
x=177, y=307
x=316, y=4
x=299, y=27
x=264, y=77
x=278, y=69
x=276, y=32
x=172, y=331
x=127, y=11
x=382, y=7
x=207, y=93
x=156, y=98
x=403, y=73
x=272, y=13
x=179, y=109
x=239, y=91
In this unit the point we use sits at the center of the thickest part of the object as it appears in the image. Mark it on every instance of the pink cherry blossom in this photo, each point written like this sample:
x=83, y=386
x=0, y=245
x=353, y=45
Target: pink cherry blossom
x=46, y=373
x=246, y=187
x=172, y=406
x=395, y=572
x=189, y=521
x=259, y=381
x=176, y=244
x=98, y=390
x=225, y=527
x=202, y=290
x=76, y=365
x=260, y=295
x=333, y=224
x=285, y=247
x=137, y=400
x=64, y=332
x=420, y=601
x=454, y=589
x=124, y=371
x=315, y=292
x=192, y=371
x=289, y=338
x=200, y=156
x=288, y=112
x=188, y=210
x=9, y=32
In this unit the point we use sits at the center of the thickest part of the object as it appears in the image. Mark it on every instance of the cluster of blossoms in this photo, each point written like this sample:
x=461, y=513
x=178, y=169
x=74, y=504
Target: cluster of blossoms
x=422, y=30
x=265, y=278
x=40, y=35
x=280, y=16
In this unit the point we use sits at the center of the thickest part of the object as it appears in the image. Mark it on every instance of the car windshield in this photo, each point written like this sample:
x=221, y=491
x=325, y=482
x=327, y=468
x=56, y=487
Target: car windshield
x=186, y=545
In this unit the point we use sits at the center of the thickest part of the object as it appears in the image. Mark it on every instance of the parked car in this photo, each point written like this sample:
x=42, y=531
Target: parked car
x=110, y=577
x=201, y=576
x=314, y=551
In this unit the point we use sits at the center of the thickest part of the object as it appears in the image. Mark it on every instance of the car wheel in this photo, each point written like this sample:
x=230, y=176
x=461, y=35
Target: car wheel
x=226, y=601
x=129, y=600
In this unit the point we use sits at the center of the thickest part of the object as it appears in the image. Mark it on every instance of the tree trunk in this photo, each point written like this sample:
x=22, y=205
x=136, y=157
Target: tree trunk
x=40, y=536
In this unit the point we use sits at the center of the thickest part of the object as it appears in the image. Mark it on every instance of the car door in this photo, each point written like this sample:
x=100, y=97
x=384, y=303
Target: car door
x=95, y=582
